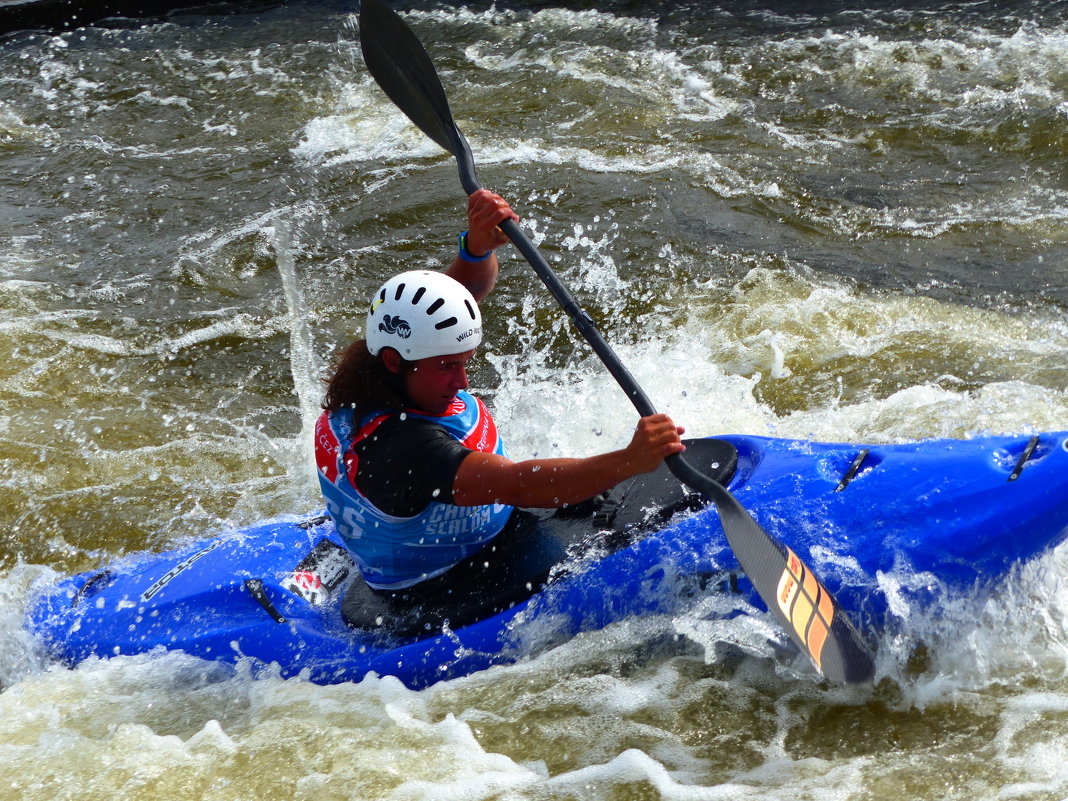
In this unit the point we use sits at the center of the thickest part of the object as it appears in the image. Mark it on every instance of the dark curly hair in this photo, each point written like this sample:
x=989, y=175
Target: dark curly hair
x=363, y=382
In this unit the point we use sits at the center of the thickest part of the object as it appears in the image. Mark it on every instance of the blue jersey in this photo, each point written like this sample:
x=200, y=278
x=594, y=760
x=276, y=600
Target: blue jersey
x=396, y=552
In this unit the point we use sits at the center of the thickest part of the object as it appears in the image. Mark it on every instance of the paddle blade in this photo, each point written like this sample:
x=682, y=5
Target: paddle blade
x=796, y=597
x=401, y=66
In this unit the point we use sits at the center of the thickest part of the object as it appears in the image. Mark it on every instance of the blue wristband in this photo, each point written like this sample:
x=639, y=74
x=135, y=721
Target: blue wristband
x=467, y=255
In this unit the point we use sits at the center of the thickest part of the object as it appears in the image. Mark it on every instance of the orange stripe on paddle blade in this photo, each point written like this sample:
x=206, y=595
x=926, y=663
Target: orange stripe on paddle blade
x=806, y=604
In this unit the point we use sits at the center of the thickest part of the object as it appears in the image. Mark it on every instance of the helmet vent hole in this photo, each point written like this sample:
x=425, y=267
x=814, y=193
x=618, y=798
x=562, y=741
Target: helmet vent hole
x=470, y=311
x=400, y=292
x=437, y=304
x=446, y=323
x=418, y=294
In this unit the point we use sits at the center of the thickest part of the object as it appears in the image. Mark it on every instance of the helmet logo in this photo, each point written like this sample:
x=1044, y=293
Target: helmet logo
x=470, y=332
x=395, y=325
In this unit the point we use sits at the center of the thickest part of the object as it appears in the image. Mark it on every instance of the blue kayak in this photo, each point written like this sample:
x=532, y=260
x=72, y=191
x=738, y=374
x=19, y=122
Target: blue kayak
x=957, y=513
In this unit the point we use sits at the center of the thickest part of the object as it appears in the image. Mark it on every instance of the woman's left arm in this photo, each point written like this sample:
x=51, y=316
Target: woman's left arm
x=475, y=266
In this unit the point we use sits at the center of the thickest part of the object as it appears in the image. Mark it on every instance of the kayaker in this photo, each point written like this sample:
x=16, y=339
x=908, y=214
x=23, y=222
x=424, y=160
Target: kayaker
x=411, y=465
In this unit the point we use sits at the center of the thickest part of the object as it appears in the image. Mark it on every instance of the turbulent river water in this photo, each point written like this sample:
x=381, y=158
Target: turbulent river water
x=814, y=220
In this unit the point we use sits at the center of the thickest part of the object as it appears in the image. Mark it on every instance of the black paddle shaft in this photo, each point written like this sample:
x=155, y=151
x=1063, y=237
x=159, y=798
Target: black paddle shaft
x=402, y=68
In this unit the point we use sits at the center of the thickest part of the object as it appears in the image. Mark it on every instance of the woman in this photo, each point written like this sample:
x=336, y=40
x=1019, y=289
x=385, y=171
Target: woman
x=411, y=465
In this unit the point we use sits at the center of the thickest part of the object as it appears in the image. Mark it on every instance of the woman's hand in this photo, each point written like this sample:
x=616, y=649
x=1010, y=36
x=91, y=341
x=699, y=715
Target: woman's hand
x=486, y=210
x=655, y=438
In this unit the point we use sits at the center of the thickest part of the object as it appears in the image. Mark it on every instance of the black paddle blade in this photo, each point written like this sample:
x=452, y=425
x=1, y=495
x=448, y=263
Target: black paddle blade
x=401, y=66
x=796, y=597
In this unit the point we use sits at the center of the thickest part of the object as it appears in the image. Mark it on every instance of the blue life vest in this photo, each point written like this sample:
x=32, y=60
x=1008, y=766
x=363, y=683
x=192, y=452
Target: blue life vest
x=396, y=552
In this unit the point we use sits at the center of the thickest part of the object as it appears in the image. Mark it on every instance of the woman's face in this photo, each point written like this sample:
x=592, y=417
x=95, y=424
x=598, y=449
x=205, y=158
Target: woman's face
x=432, y=383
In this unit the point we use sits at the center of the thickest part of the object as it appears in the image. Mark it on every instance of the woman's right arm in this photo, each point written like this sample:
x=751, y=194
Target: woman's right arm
x=485, y=478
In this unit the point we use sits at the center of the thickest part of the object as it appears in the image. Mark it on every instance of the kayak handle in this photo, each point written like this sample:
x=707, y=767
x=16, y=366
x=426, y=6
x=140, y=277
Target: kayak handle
x=257, y=591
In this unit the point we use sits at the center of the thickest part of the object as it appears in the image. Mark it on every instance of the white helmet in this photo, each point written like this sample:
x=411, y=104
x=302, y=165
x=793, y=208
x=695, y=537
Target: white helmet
x=423, y=313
